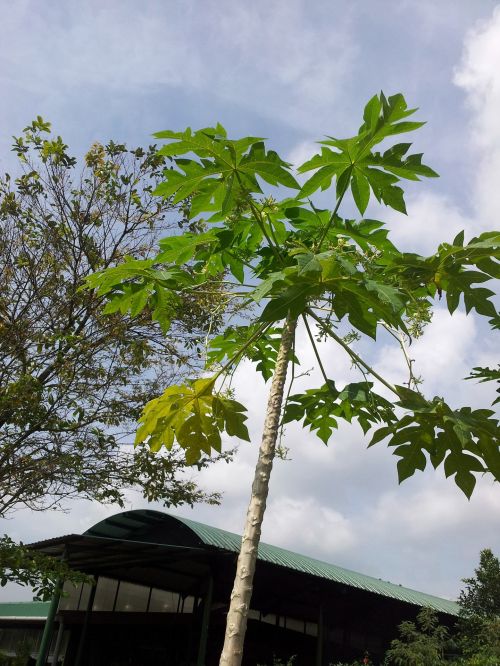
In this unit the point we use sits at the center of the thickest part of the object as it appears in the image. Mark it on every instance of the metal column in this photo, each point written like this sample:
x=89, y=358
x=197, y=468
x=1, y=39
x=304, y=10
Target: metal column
x=49, y=627
x=57, y=647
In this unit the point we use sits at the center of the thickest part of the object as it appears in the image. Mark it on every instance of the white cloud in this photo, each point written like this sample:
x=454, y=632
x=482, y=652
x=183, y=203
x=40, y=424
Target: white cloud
x=250, y=54
x=432, y=219
x=479, y=76
x=432, y=508
x=290, y=524
x=443, y=355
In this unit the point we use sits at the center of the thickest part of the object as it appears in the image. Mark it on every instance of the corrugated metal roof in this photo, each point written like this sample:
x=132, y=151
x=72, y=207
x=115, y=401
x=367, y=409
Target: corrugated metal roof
x=131, y=525
x=36, y=610
x=213, y=536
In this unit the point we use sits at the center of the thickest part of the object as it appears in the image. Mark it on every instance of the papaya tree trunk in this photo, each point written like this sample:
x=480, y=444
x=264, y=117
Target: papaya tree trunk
x=232, y=652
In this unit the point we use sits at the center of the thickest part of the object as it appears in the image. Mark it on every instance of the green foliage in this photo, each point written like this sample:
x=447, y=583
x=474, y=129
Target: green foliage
x=193, y=416
x=479, y=625
x=259, y=346
x=23, y=654
x=223, y=170
x=421, y=643
x=465, y=439
x=24, y=566
x=481, y=596
x=487, y=375
x=320, y=408
x=72, y=381
x=287, y=257
x=352, y=162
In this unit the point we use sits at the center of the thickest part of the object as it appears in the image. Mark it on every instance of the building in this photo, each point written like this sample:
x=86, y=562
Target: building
x=161, y=596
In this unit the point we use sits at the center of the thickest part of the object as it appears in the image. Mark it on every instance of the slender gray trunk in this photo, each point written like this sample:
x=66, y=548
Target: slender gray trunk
x=232, y=652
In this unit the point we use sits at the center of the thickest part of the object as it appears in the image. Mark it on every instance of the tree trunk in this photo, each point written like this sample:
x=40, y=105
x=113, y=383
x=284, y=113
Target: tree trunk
x=232, y=652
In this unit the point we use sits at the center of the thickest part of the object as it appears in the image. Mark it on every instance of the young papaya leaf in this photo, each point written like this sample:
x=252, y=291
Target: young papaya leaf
x=193, y=416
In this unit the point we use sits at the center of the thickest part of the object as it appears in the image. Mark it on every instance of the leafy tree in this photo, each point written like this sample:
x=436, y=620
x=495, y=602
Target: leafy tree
x=287, y=260
x=480, y=611
x=481, y=596
x=73, y=381
x=21, y=565
x=421, y=643
x=481, y=646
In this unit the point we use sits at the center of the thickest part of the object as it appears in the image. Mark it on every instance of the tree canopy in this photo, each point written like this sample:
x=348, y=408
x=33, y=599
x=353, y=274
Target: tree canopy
x=288, y=260
x=481, y=595
x=73, y=379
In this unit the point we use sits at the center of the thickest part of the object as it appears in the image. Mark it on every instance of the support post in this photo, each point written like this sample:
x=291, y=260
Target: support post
x=57, y=647
x=205, y=621
x=48, y=628
x=320, y=639
x=83, y=635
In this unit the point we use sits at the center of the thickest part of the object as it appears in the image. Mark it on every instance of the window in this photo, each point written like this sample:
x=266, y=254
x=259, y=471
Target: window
x=311, y=629
x=84, y=597
x=70, y=596
x=132, y=598
x=105, y=594
x=163, y=602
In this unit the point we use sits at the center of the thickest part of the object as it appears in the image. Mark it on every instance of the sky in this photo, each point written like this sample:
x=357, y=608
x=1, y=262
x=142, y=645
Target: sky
x=294, y=71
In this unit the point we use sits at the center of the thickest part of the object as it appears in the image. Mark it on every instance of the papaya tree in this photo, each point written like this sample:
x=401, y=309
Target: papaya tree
x=287, y=261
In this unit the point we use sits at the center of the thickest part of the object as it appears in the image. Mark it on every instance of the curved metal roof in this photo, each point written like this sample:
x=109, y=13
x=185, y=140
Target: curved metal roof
x=143, y=524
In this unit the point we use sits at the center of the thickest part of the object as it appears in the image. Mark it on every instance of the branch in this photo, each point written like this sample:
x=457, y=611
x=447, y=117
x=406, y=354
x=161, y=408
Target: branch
x=332, y=217
x=409, y=361
x=311, y=338
x=351, y=353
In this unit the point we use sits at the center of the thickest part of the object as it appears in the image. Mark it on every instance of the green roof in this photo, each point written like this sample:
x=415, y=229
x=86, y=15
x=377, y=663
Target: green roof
x=213, y=536
x=135, y=525
x=24, y=609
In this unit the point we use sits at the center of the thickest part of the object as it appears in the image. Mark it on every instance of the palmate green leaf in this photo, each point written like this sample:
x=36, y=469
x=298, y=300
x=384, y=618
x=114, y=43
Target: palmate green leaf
x=452, y=272
x=465, y=440
x=268, y=165
x=222, y=170
x=368, y=234
x=164, y=304
x=353, y=162
x=368, y=303
x=104, y=281
x=371, y=113
x=266, y=286
x=386, y=293
x=320, y=409
x=453, y=276
x=306, y=220
x=193, y=416
x=139, y=272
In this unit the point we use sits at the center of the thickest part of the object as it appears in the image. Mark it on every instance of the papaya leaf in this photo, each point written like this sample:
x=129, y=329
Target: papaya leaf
x=193, y=416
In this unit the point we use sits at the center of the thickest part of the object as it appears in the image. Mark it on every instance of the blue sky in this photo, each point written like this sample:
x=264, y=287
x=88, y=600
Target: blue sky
x=294, y=71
